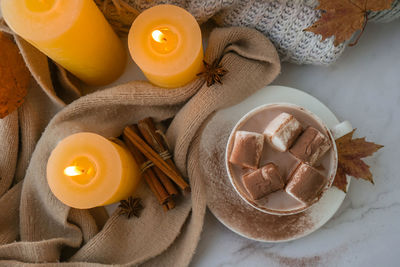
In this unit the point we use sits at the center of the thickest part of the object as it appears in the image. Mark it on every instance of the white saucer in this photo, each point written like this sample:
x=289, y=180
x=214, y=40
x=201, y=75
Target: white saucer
x=322, y=211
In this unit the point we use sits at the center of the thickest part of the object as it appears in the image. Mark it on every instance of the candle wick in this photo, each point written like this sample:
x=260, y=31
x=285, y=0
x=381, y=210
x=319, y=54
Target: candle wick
x=74, y=171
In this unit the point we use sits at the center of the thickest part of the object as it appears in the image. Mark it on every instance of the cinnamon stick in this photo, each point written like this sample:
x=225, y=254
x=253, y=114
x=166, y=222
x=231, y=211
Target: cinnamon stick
x=168, y=185
x=155, y=158
x=171, y=204
x=165, y=207
x=148, y=131
x=151, y=179
x=165, y=181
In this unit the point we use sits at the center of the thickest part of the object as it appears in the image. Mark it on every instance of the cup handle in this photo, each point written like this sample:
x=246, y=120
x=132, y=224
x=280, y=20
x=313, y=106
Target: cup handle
x=341, y=129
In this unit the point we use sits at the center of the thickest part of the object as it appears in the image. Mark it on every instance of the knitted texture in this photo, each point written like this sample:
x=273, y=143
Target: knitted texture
x=283, y=21
x=35, y=227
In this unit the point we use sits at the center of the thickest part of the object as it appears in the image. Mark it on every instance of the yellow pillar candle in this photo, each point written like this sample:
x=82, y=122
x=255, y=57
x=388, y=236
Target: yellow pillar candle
x=74, y=33
x=86, y=170
x=165, y=42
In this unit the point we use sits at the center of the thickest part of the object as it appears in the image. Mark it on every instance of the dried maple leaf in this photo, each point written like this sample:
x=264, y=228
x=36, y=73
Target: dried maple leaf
x=130, y=207
x=350, y=153
x=14, y=76
x=342, y=18
x=213, y=72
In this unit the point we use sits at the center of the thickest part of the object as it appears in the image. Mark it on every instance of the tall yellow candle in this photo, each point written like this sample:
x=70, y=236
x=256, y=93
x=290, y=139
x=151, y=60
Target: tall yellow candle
x=74, y=33
x=86, y=170
x=165, y=42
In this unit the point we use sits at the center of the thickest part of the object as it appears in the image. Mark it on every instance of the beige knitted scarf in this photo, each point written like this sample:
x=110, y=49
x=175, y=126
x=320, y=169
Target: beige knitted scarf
x=36, y=228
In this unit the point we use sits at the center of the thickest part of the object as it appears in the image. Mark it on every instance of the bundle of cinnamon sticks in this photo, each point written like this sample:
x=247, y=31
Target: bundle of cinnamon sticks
x=149, y=150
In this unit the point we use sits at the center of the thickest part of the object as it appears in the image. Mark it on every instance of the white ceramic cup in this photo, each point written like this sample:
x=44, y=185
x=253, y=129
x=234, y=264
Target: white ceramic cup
x=336, y=132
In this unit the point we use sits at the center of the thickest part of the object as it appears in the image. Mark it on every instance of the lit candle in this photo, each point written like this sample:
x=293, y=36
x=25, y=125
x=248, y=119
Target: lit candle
x=74, y=33
x=165, y=42
x=86, y=170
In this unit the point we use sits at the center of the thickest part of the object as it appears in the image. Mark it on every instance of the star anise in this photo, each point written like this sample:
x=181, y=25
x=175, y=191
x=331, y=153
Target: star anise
x=130, y=207
x=213, y=72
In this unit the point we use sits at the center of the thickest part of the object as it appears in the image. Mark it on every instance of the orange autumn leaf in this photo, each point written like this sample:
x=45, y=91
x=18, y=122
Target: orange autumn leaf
x=350, y=153
x=14, y=76
x=340, y=179
x=342, y=18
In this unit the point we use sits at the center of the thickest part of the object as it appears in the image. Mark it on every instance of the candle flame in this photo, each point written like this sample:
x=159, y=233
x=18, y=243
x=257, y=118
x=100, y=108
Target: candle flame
x=158, y=36
x=73, y=171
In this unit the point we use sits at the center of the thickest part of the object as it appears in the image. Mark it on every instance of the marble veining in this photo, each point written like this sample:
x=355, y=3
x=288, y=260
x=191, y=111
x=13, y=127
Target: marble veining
x=363, y=87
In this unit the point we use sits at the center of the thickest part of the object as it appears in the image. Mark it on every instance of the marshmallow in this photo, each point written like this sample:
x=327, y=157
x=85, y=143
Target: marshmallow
x=247, y=149
x=263, y=181
x=310, y=146
x=282, y=131
x=305, y=183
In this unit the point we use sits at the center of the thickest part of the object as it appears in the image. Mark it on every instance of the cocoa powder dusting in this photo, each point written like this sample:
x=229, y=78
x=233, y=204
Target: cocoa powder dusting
x=322, y=259
x=296, y=262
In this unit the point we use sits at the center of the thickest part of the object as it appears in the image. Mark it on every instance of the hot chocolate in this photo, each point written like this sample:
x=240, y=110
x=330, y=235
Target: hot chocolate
x=293, y=137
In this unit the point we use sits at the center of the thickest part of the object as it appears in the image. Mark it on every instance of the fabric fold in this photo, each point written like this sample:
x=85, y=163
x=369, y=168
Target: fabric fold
x=47, y=231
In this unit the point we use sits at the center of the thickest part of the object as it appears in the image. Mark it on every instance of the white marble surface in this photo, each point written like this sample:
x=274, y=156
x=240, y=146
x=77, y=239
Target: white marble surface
x=363, y=87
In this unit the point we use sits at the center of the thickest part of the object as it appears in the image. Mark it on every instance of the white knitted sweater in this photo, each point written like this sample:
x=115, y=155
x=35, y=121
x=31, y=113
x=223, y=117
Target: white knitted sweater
x=283, y=21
